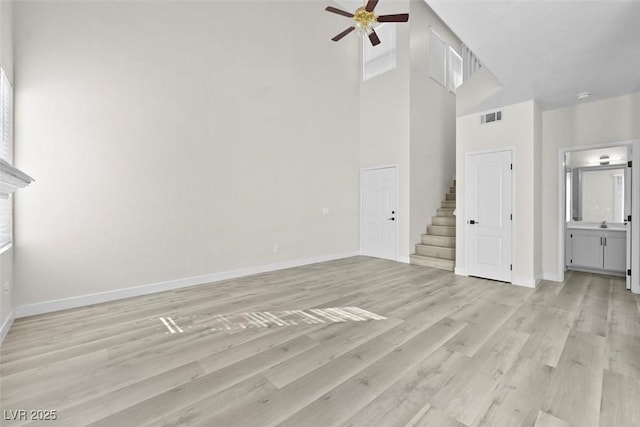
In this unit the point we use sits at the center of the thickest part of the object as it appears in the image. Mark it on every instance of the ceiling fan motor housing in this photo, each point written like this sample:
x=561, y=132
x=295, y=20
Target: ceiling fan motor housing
x=364, y=19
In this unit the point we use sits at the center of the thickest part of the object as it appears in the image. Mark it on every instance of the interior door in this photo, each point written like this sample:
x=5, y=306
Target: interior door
x=379, y=219
x=489, y=209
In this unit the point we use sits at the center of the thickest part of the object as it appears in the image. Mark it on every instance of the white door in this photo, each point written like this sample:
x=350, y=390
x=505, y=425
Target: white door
x=379, y=219
x=488, y=215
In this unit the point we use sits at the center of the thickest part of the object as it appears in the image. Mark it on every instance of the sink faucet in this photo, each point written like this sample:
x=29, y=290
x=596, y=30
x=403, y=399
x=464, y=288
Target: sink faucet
x=603, y=224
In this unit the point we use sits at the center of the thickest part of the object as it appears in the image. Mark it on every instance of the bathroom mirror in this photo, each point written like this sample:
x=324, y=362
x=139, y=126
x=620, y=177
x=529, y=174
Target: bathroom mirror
x=598, y=193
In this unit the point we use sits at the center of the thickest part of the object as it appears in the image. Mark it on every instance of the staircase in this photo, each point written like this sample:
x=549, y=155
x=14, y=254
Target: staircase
x=438, y=247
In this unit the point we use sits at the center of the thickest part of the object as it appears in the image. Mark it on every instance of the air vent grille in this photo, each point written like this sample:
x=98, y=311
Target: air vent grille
x=495, y=116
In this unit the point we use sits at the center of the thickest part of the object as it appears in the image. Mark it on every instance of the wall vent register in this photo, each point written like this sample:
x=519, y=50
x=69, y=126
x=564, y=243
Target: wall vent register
x=495, y=116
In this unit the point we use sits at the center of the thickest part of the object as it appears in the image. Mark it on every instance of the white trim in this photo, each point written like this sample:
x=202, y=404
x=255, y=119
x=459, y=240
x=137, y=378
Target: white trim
x=561, y=215
x=527, y=282
x=635, y=206
x=599, y=271
x=4, y=330
x=635, y=214
x=553, y=277
x=6, y=248
x=404, y=259
x=12, y=178
x=90, y=299
x=460, y=271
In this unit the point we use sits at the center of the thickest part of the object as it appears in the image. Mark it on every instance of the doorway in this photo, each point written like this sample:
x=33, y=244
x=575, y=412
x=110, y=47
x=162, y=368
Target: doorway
x=596, y=207
x=489, y=214
x=378, y=212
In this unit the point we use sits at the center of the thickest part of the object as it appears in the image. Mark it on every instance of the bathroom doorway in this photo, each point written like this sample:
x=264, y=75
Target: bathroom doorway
x=596, y=210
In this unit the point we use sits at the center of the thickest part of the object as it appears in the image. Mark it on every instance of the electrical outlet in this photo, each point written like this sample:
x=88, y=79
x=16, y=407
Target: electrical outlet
x=275, y=249
x=325, y=211
x=5, y=287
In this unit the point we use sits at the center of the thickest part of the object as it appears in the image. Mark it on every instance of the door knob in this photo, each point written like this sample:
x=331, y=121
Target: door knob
x=391, y=219
x=472, y=222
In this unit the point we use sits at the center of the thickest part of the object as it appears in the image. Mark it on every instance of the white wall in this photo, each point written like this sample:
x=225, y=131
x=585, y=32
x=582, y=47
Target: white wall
x=408, y=120
x=384, y=125
x=6, y=258
x=177, y=139
x=597, y=122
x=433, y=124
x=517, y=129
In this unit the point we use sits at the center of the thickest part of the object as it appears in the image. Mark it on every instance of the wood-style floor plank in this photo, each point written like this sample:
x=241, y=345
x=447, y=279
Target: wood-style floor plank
x=546, y=420
x=363, y=387
x=402, y=401
x=576, y=387
x=452, y=351
x=620, y=397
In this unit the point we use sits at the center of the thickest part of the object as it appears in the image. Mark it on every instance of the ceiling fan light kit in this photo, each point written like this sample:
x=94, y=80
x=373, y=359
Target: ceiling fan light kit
x=365, y=19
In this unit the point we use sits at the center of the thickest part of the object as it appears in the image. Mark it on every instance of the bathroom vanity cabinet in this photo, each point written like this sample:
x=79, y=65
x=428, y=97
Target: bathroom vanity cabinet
x=600, y=250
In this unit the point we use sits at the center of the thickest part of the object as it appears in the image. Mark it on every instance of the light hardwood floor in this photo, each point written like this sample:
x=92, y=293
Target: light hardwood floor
x=453, y=351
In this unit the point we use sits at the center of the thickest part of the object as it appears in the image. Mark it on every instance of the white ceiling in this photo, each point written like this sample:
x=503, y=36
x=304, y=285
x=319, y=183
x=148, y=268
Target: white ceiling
x=551, y=50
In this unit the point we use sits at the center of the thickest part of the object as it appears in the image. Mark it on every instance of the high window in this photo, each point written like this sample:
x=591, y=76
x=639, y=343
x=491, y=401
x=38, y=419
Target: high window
x=6, y=154
x=445, y=64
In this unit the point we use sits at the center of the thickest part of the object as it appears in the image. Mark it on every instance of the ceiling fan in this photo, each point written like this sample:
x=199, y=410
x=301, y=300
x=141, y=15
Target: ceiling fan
x=365, y=19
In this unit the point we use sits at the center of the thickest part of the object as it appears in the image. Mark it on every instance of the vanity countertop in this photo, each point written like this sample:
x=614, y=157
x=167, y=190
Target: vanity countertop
x=616, y=227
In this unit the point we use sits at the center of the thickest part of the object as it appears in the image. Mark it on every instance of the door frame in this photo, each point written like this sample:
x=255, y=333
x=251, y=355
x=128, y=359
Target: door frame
x=634, y=145
x=467, y=247
x=362, y=172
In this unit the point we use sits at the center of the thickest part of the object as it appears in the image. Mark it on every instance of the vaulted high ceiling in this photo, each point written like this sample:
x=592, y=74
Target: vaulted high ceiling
x=551, y=50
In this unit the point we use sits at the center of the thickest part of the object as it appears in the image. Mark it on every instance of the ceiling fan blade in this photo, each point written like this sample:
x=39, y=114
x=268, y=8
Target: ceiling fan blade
x=342, y=34
x=339, y=11
x=371, y=5
x=400, y=17
x=375, y=40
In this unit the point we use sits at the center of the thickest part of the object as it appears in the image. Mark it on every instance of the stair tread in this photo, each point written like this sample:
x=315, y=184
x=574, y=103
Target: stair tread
x=443, y=264
x=444, y=220
x=433, y=251
x=440, y=241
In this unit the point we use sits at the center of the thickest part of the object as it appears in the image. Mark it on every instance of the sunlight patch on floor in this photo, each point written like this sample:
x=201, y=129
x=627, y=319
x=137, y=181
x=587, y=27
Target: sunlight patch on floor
x=266, y=319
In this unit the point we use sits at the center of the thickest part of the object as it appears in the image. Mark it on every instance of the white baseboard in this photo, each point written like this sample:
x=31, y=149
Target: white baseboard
x=552, y=277
x=460, y=271
x=404, y=259
x=527, y=282
x=84, y=300
x=4, y=330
